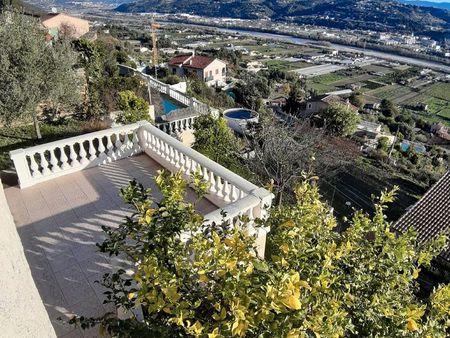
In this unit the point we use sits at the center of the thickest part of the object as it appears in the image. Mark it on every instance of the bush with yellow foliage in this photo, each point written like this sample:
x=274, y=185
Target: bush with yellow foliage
x=314, y=282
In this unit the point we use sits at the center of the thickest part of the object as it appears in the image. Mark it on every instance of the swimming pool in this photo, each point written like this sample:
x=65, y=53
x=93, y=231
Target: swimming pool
x=238, y=119
x=240, y=114
x=169, y=104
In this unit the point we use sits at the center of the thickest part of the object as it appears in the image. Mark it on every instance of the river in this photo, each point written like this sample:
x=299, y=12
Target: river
x=300, y=41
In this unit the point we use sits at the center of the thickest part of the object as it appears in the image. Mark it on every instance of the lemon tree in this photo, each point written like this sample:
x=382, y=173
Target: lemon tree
x=192, y=280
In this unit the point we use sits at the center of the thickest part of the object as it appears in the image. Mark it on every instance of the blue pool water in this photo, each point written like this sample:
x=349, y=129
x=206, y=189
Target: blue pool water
x=241, y=114
x=168, y=106
x=417, y=147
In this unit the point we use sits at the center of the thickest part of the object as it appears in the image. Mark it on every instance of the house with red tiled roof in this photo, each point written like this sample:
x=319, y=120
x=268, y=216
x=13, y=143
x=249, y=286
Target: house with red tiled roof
x=212, y=71
x=62, y=24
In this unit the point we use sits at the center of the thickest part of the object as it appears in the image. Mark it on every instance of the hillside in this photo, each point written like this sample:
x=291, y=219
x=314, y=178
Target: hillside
x=22, y=6
x=381, y=15
x=443, y=5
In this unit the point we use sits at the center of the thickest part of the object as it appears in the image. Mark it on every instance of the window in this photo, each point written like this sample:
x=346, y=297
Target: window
x=309, y=105
x=223, y=71
x=210, y=73
x=174, y=70
x=217, y=71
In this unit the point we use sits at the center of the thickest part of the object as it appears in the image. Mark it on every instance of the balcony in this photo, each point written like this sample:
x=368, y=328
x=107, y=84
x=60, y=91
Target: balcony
x=69, y=190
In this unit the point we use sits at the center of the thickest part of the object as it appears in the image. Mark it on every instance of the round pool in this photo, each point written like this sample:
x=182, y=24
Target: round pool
x=239, y=117
x=241, y=114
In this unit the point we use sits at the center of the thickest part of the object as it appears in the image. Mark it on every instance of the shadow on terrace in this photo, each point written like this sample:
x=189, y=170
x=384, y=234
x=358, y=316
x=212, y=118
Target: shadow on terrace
x=59, y=222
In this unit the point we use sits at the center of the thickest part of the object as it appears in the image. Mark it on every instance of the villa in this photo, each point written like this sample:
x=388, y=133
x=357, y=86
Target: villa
x=212, y=71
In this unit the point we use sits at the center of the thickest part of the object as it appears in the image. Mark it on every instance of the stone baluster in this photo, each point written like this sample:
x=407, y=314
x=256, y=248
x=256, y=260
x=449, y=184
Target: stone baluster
x=226, y=192
x=166, y=151
x=101, y=149
x=176, y=157
x=186, y=165
x=34, y=167
x=158, y=146
x=109, y=146
x=171, y=155
x=126, y=141
x=83, y=154
x=135, y=141
x=64, y=159
x=234, y=193
x=54, y=161
x=118, y=145
x=73, y=156
x=182, y=162
x=194, y=166
x=219, y=187
x=92, y=151
x=212, y=182
x=44, y=164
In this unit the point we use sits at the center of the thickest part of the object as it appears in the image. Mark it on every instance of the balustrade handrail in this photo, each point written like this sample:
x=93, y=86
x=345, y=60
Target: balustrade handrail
x=75, y=139
x=173, y=93
x=201, y=159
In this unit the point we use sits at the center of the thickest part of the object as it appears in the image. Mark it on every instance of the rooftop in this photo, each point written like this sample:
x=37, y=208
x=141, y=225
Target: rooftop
x=430, y=215
x=191, y=61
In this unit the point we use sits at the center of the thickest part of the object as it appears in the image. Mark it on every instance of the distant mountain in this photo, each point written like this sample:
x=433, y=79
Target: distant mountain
x=381, y=15
x=442, y=5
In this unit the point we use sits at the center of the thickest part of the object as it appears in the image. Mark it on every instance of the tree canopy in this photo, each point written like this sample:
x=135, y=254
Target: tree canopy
x=133, y=107
x=214, y=139
x=340, y=119
x=313, y=282
x=33, y=71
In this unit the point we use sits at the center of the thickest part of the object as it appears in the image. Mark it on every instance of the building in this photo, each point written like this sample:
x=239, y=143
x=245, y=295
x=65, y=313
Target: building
x=438, y=128
x=430, y=216
x=316, y=105
x=63, y=24
x=212, y=71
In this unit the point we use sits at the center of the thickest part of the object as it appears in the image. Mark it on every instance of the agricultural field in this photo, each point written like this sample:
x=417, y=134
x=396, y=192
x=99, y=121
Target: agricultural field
x=437, y=97
x=285, y=65
x=389, y=92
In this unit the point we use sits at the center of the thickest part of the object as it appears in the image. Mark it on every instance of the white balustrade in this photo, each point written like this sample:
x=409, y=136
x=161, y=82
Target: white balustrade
x=166, y=89
x=50, y=160
x=233, y=194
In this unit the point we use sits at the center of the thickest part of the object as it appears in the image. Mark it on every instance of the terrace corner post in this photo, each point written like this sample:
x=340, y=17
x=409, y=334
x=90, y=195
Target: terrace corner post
x=21, y=165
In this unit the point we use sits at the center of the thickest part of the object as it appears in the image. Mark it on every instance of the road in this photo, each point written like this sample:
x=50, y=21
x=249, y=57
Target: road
x=300, y=41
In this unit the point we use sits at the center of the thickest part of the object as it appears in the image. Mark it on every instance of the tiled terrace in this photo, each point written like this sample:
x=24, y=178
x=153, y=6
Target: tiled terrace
x=59, y=223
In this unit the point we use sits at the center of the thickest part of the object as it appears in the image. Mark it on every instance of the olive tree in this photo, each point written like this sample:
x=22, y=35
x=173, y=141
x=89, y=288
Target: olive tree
x=340, y=119
x=196, y=280
x=33, y=71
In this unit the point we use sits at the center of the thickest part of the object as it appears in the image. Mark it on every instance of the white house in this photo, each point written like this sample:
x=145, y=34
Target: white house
x=212, y=71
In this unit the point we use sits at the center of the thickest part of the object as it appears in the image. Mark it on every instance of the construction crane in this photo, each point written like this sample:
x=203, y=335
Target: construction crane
x=154, y=27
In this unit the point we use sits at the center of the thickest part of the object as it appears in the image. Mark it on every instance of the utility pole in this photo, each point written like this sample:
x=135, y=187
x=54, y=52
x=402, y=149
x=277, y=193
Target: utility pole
x=154, y=26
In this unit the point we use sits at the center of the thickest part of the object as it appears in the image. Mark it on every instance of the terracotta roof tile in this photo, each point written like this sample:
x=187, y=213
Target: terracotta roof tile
x=430, y=215
x=189, y=61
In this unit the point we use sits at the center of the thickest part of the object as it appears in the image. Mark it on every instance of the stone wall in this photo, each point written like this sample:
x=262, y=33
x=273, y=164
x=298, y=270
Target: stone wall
x=22, y=313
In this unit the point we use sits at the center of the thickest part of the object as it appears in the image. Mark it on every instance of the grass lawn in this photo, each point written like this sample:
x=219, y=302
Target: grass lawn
x=24, y=136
